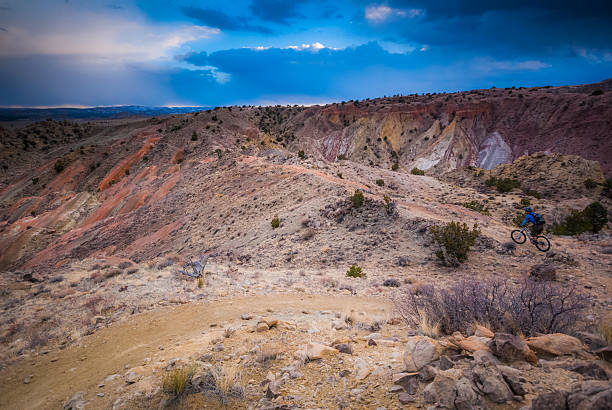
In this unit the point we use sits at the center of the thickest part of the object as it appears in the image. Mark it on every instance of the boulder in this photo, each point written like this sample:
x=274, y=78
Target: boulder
x=408, y=382
x=466, y=396
x=485, y=357
x=427, y=373
x=589, y=395
x=557, y=344
x=446, y=363
x=419, y=352
x=512, y=378
x=556, y=400
x=591, y=340
x=441, y=391
x=589, y=369
x=510, y=348
x=543, y=272
x=489, y=380
x=482, y=331
x=605, y=353
x=317, y=351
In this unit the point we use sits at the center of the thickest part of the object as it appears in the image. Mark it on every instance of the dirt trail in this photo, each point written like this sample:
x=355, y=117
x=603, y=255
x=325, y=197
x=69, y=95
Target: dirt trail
x=60, y=374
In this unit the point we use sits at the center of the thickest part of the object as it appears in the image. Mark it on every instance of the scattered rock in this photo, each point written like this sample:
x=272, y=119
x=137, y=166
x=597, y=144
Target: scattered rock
x=76, y=402
x=218, y=347
x=403, y=261
x=543, y=272
x=406, y=398
x=246, y=316
x=27, y=379
x=363, y=373
x=490, y=382
x=420, y=351
x=371, y=342
x=339, y=325
x=132, y=377
x=510, y=348
x=317, y=351
x=273, y=389
x=262, y=327
x=344, y=348
x=557, y=344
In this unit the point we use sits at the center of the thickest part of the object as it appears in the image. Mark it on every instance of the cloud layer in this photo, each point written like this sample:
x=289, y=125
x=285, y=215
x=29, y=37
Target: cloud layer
x=92, y=52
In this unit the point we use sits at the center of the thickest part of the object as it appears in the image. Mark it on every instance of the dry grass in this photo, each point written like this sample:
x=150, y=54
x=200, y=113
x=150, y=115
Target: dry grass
x=174, y=381
x=229, y=380
x=224, y=383
x=605, y=330
x=228, y=332
x=266, y=353
x=428, y=326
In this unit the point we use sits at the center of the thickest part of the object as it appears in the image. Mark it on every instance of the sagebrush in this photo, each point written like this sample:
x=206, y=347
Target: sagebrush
x=592, y=218
x=357, y=199
x=455, y=240
x=529, y=307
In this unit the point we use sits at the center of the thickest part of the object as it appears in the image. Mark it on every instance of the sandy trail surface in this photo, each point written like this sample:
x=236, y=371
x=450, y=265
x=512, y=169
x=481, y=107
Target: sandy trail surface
x=59, y=374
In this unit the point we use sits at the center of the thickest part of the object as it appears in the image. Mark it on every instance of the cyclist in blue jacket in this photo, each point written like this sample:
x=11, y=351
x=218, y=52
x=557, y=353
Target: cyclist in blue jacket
x=536, y=220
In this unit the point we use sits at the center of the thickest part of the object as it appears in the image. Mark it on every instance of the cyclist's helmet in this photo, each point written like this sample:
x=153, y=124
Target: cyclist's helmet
x=528, y=209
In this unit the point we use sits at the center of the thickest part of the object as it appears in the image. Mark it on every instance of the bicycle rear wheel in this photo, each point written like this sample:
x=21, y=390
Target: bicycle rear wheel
x=518, y=236
x=542, y=243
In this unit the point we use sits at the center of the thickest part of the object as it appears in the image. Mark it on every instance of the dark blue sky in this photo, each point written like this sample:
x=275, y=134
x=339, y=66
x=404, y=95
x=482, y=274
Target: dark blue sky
x=181, y=52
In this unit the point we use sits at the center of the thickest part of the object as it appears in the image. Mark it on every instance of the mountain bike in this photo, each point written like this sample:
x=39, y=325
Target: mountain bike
x=520, y=236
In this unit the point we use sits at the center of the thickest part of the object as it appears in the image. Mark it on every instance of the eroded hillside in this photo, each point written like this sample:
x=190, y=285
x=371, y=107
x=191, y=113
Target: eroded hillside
x=96, y=218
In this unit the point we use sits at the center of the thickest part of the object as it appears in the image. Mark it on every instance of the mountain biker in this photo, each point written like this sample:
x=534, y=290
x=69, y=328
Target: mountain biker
x=536, y=220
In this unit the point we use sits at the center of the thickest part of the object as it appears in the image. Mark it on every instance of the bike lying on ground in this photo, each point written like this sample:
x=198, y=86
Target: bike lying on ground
x=520, y=236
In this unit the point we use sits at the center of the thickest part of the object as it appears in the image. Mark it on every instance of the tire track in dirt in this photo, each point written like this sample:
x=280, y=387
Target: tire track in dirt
x=60, y=374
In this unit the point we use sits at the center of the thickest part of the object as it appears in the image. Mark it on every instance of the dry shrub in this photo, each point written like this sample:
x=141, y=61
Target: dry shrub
x=228, y=332
x=113, y=273
x=174, y=381
x=93, y=303
x=124, y=265
x=527, y=308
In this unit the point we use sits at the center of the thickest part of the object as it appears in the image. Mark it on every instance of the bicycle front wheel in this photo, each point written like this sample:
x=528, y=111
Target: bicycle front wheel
x=518, y=236
x=542, y=243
